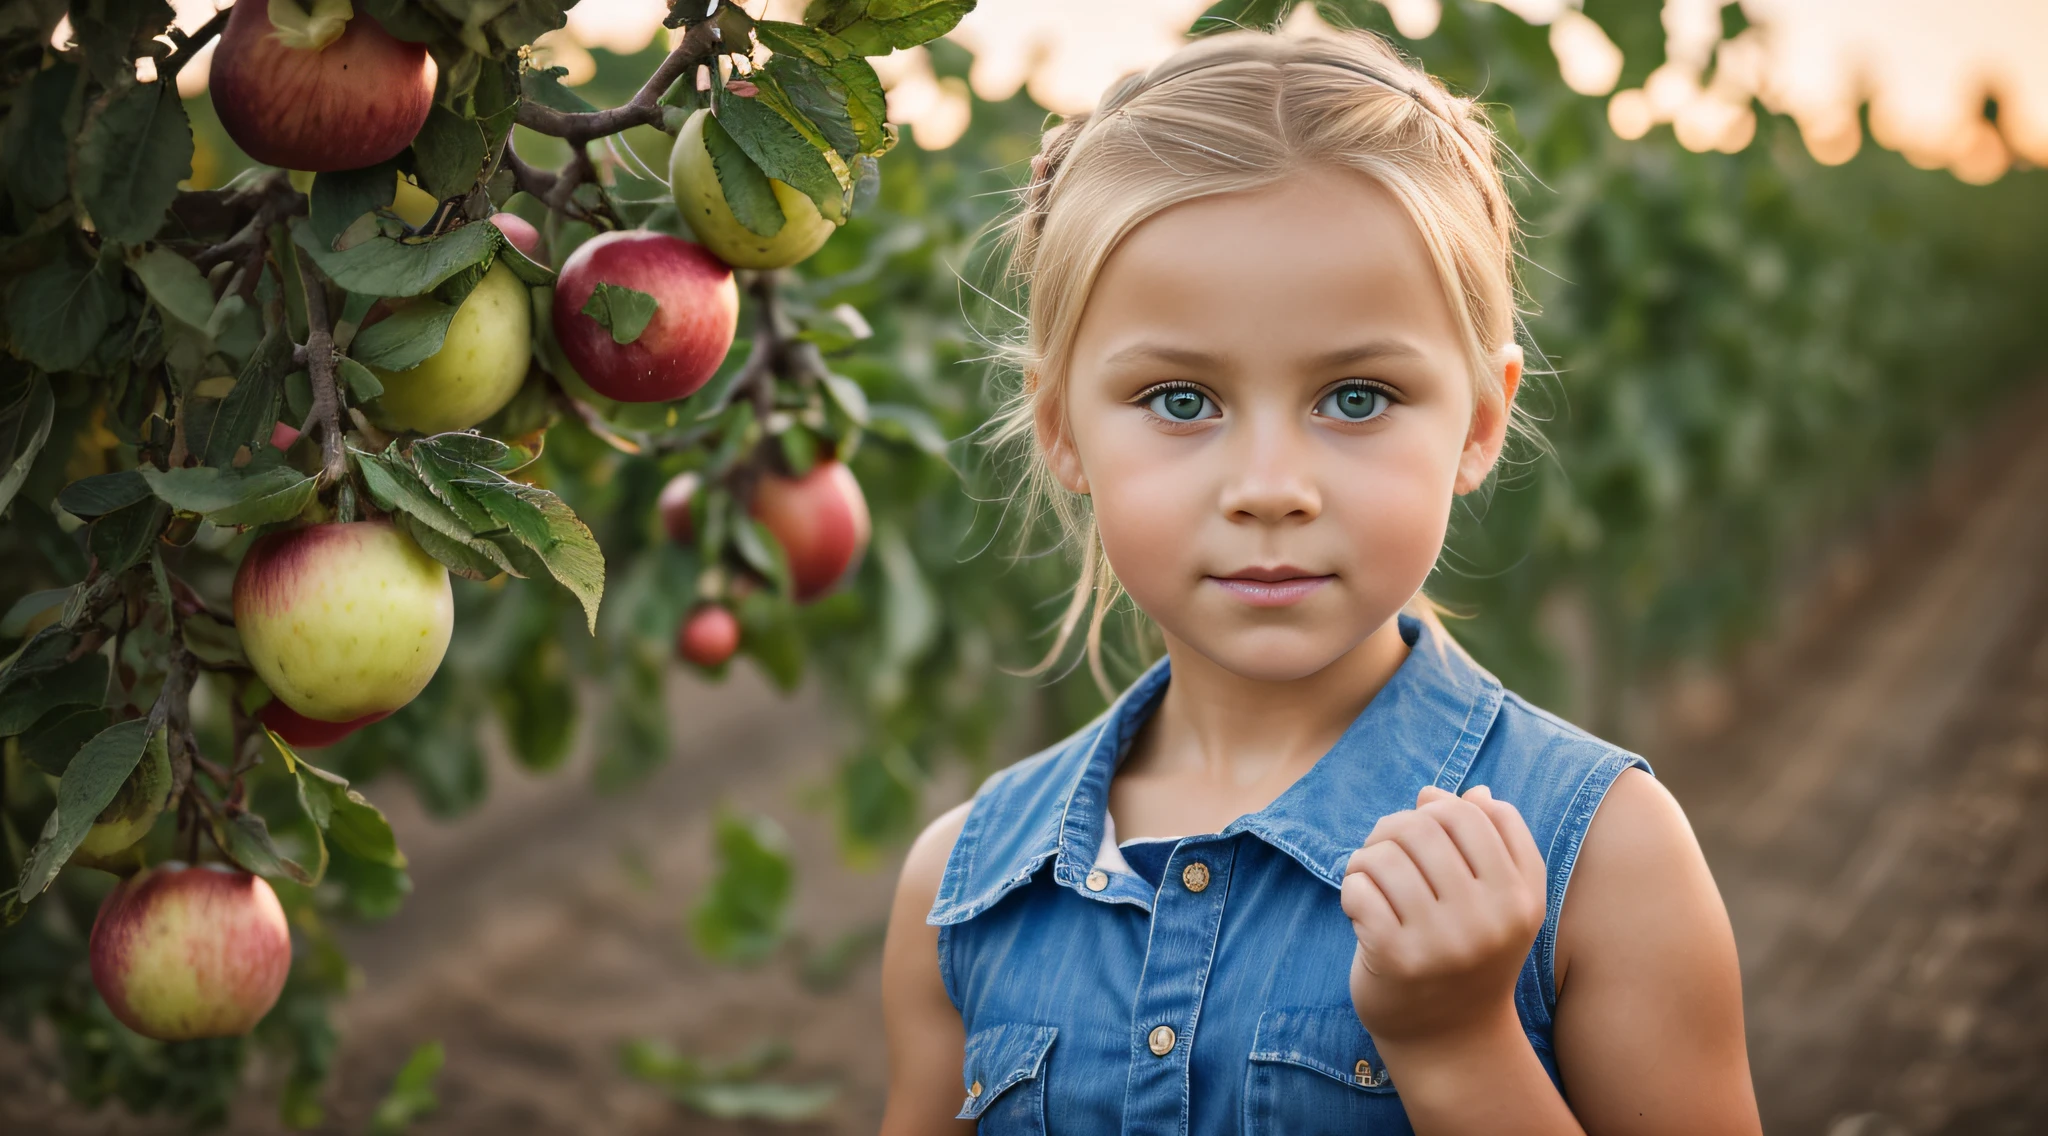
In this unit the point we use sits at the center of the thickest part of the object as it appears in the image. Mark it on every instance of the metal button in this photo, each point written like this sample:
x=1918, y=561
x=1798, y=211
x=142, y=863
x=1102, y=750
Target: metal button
x=1161, y=1040
x=1195, y=876
x=1364, y=1074
x=974, y=1090
x=1097, y=880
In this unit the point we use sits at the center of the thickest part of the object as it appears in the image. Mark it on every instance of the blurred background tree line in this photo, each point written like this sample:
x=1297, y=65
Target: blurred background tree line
x=1745, y=354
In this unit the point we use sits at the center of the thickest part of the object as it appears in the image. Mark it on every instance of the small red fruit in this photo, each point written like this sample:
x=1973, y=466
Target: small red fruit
x=282, y=436
x=354, y=100
x=821, y=521
x=708, y=636
x=301, y=732
x=520, y=232
x=674, y=506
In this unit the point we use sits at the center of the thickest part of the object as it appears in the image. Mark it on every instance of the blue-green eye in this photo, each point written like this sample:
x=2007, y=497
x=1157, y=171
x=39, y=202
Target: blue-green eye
x=1353, y=402
x=1179, y=404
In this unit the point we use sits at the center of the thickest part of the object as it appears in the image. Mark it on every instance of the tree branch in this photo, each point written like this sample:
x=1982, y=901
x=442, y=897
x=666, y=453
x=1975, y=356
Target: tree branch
x=185, y=47
x=320, y=368
x=699, y=44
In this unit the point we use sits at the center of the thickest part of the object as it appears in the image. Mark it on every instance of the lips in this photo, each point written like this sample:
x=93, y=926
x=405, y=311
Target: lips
x=1277, y=586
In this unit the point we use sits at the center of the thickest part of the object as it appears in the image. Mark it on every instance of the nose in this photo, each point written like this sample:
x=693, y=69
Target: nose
x=1271, y=476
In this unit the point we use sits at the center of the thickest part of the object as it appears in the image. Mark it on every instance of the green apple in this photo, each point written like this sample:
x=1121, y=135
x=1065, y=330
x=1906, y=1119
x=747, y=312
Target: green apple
x=414, y=206
x=343, y=620
x=132, y=812
x=702, y=202
x=478, y=369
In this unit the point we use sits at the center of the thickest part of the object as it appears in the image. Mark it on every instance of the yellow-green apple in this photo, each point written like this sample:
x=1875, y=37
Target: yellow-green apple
x=696, y=313
x=478, y=369
x=182, y=952
x=318, y=91
x=414, y=206
x=821, y=521
x=132, y=812
x=701, y=199
x=301, y=732
x=709, y=635
x=520, y=232
x=343, y=620
x=674, y=506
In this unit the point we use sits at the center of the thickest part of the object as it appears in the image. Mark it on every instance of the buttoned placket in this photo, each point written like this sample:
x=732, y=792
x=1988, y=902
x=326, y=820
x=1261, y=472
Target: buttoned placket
x=1166, y=1011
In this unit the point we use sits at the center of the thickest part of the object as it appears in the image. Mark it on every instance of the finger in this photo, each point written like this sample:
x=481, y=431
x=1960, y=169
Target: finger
x=1429, y=793
x=1398, y=879
x=1476, y=837
x=1422, y=836
x=1514, y=832
x=1367, y=906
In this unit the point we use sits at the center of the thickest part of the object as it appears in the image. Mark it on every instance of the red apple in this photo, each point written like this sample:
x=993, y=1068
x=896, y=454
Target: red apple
x=708, y=636
x=301, y=732
x=520, y=232
x=821, y=521
x=188, y=952
x=674, y=505
x=282, y=436
x=696, y=314
x=316, y=95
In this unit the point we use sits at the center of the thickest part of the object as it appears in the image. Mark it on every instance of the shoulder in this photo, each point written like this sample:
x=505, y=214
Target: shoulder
x=1640, y=872
x=1554, y=772
x=925, y=864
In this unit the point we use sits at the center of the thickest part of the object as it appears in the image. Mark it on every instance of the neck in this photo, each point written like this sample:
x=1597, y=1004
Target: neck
x=1215, y=723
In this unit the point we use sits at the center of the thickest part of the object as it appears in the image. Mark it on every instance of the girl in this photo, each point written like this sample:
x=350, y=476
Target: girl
x=1314, y=871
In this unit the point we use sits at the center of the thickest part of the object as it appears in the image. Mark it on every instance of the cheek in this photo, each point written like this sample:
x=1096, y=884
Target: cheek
x=1393, y=511
x=1148, y=513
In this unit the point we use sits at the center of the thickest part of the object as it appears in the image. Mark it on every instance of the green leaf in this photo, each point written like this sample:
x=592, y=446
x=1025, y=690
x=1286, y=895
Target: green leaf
x=229, y=498
x=848, y=396
x=119, y=540
x=543, y=523
x=90, y=782
x=176, y=286
x=746, y=188
x=27, y=408
x=476, y=449
x=448, y=153
x=544, y=86
x=59, y=311
x=363, y=384
x=469, y=559
x=58, y=736
x=405, y=338
x=249, y=413
x=781, y=150
x=353, y=823
x=741, y=917
x=81, y=682
x=135, y=149
x=625, y=312
x=35, y=153
x=876, y=27
x=759, y=1100
x=905, y=423
x=341, y=196
x=246, y=838
x=211, y=641
x=412, y=1092
x=384, y=266
x=15, y=623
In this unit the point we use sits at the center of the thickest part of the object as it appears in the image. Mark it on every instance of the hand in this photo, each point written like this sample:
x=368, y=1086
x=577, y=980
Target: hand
x=1446, y=900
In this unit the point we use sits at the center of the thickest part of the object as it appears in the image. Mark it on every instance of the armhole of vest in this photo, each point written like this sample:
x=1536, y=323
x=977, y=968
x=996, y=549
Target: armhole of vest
x=946, y=964
x=1565, y=845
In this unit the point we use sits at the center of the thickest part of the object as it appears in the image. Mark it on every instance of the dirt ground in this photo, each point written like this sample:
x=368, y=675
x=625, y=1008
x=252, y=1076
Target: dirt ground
x=1868, y=790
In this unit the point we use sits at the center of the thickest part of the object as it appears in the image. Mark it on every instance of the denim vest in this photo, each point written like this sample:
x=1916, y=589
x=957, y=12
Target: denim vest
x=1221, y=1002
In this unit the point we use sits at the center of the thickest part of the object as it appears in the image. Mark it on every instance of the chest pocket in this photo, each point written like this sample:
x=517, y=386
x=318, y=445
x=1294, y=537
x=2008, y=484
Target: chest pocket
x=1004, y=1075
x=1314, y=1070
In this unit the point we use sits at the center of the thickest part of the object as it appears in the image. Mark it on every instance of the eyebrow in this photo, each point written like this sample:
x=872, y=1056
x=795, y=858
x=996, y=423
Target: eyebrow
x=1369, y=351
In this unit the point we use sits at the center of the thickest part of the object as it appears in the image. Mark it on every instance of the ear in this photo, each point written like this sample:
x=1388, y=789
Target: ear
x=1058, y=444
x=1490, y=423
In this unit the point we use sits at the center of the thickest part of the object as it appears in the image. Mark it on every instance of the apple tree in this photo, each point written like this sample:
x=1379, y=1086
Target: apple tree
x=248, y=434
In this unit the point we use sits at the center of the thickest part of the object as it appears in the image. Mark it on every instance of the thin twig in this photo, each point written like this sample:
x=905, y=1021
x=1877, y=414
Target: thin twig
x=320, y=368
x=699, y=44
x=185, y=47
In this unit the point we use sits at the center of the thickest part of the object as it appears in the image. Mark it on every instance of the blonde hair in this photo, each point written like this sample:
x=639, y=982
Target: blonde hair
x=1228, y=114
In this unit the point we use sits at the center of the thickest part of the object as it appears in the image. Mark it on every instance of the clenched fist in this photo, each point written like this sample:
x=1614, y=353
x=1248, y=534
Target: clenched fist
x=1446, y=900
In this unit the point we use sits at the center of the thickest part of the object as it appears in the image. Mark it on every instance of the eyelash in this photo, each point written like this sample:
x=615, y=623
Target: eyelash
x=1145, y=398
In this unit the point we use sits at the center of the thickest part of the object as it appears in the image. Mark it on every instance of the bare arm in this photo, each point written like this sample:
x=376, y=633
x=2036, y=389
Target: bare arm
x=1649, y=1014
x=927, y=1042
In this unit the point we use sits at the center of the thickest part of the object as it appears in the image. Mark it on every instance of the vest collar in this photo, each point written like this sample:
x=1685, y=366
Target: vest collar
x=1423, y=728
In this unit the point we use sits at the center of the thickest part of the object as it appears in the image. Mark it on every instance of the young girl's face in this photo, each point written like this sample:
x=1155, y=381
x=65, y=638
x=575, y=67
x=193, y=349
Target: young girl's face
x=1271, y=384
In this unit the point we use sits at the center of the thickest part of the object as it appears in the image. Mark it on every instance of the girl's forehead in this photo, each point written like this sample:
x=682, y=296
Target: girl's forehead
x=1303, y=266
